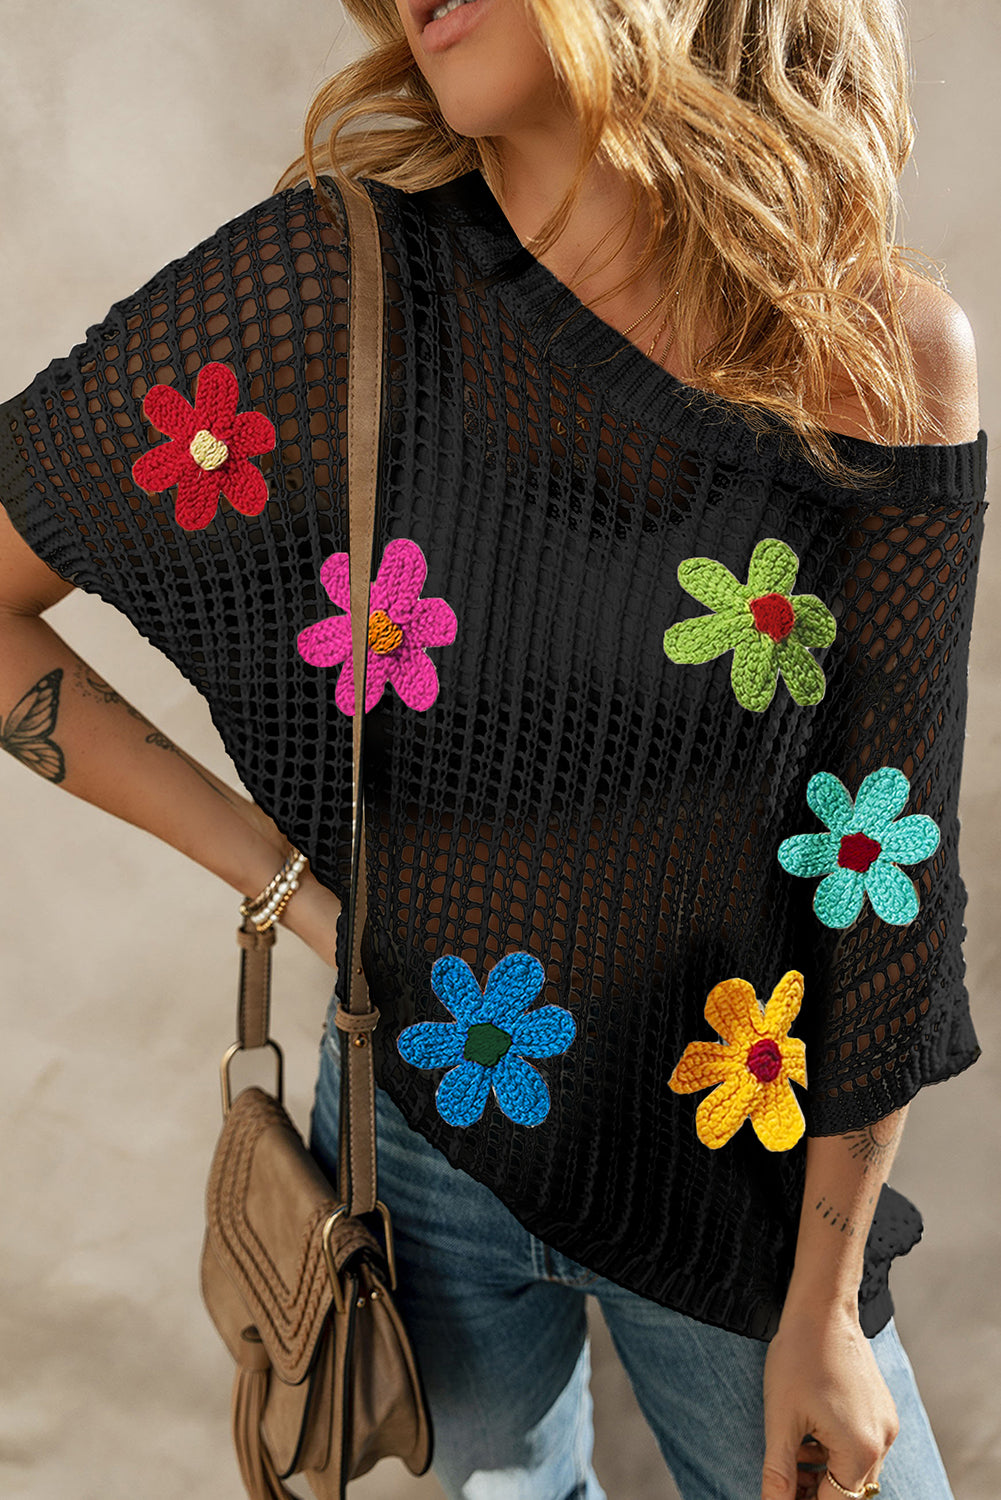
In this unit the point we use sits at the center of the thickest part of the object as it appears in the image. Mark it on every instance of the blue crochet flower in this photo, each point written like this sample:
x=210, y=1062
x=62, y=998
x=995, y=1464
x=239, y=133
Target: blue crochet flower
x=486, y=1046
x=867, y=843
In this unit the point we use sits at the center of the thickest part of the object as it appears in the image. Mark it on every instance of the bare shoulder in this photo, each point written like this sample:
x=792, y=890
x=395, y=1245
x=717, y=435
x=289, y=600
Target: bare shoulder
x=945, y=358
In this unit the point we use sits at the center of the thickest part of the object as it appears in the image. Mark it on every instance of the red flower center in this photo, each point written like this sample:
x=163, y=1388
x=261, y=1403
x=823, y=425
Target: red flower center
x=765, y=1060
x=858, y=852
x=773, y=615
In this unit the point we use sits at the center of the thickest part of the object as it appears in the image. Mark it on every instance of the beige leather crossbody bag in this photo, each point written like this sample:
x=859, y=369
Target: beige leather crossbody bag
x=298, y=1274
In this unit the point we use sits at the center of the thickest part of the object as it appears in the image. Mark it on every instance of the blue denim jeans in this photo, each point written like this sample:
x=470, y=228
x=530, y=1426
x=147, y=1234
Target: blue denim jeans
x=497, y=1321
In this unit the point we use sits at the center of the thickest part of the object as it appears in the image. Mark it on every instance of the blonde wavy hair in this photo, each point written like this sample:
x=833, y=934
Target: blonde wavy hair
x=766, y=137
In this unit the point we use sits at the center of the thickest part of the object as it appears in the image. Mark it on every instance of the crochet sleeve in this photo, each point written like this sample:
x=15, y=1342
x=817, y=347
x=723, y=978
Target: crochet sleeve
x=884, y=880
x=208, y=542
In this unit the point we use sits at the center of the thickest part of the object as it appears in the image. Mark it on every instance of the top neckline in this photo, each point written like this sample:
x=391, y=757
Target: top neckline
x=578, y=339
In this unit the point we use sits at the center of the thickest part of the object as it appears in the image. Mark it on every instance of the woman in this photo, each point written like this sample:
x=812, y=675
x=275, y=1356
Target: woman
x=740, y=1261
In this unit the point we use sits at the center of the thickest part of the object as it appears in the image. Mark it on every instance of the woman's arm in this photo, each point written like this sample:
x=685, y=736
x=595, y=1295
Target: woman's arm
x=844, y=1174
x=820, y=1374
x=58, y=717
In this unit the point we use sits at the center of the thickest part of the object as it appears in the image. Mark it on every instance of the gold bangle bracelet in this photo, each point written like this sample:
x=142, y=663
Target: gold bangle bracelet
x=267, y=906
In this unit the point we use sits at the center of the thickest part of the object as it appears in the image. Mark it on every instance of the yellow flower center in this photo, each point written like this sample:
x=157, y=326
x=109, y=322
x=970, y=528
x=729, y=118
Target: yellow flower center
x=207, y=451
x=384, y=635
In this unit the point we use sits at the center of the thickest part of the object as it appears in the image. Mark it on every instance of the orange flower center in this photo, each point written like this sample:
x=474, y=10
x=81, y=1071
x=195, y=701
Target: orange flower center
x=384, y=635
x=857, y=852
x=207, y=451
x=764, y=1060
x=773, y=615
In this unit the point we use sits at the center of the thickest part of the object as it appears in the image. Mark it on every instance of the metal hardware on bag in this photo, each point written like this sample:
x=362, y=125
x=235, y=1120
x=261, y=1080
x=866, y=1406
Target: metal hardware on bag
x=335, y=1281
x=227, y=1058
x=387, y=1225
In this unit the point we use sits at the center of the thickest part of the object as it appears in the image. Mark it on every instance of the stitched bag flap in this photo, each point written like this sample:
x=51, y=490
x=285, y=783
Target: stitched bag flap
x=267, y=1202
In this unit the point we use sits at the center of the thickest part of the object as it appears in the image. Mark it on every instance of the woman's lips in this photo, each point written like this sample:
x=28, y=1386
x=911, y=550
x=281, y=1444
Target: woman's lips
x=438, y=35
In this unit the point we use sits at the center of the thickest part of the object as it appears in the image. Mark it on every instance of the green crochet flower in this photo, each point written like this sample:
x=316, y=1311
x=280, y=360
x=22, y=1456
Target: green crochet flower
x=766, y=626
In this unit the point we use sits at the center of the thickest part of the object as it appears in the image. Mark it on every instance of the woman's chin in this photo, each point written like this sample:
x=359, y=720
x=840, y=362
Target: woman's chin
x=473, y=121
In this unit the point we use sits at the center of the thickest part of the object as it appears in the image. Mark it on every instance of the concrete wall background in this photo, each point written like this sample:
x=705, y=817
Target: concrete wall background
x=127, y=133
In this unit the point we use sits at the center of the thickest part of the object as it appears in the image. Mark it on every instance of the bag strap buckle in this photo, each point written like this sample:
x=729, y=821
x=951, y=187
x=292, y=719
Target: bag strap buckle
x=336, y=1283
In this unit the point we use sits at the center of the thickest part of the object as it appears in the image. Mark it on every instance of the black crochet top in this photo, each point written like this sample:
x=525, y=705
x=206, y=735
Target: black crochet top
x=661, y=724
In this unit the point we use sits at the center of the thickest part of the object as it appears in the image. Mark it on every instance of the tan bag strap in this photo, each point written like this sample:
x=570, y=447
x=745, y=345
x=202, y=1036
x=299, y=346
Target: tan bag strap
x=253, y=1012
x=357, y=1017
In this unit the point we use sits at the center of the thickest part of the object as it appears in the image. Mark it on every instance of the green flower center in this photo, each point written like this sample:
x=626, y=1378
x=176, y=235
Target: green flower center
x=764, y=1060
x=857, y=852
x=773, y=615
x=486, y=1044
x=384, y=635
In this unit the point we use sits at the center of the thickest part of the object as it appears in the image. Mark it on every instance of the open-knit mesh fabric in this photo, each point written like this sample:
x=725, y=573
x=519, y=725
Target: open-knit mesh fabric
x=571, y=792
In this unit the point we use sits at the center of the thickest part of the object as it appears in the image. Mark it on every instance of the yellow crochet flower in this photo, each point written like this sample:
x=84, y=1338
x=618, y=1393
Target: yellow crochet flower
x=753, y=1065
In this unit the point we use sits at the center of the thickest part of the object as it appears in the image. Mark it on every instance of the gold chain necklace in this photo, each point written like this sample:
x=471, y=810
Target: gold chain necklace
x=657, y=336
x=656, y=340
x=643, y=316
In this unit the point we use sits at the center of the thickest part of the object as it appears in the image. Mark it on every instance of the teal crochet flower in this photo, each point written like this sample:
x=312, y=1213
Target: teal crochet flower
x=766, y=626
x=867, y=843
x=486, y=1046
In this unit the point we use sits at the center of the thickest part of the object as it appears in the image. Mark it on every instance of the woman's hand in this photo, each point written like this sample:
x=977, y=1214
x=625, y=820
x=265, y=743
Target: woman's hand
x=822, y=1380
x=821, y=1376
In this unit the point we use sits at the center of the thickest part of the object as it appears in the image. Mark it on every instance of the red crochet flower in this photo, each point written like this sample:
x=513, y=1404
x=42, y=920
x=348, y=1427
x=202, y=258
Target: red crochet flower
x=209, y=448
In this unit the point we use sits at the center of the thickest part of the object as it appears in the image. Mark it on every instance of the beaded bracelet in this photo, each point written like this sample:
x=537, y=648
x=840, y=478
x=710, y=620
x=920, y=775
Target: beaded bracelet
x=865, y=1493
x=267, y=907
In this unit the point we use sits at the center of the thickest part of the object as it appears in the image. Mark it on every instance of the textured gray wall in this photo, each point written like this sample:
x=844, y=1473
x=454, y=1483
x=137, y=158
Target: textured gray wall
x=128, y=132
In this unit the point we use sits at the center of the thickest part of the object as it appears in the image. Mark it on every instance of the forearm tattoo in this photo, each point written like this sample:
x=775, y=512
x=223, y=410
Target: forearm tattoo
x=92, y=686
x=835, y=1218
x=875, y=1144
x=95, y=687
x=27, y=732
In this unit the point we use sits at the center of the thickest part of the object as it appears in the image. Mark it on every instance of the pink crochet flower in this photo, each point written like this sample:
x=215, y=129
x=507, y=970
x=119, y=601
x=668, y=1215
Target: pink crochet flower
x=400, y=625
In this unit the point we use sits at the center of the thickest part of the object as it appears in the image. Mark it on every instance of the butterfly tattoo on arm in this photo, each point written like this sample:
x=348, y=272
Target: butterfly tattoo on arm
x=27, y=732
